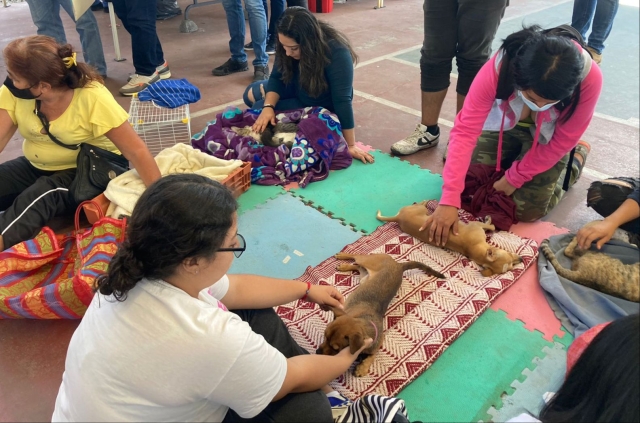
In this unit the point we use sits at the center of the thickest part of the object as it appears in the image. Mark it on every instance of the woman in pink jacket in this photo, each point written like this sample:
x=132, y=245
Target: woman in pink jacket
x=525, y=112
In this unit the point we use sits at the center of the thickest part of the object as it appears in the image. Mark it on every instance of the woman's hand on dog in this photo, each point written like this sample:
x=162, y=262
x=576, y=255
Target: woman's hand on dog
x=443, y=220
x=346, y=352
x=267, y=115
x=326, y=297
x=358, y=154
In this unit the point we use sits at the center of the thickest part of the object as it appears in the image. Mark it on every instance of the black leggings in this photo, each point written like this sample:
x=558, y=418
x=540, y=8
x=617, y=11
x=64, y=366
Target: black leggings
x=302, y=408
x=30, y=197
x=606, y=196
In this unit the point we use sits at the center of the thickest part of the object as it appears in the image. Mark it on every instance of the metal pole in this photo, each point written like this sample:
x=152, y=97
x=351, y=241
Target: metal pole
x=114, y=32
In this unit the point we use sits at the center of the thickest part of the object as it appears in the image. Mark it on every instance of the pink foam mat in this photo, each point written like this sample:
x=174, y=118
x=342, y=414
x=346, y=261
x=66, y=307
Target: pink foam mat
x=525, y=300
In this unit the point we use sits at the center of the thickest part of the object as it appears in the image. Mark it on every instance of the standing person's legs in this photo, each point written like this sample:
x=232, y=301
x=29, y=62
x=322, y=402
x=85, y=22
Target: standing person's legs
x=258, y=28
x=139, y=19
x=277, y=9
x=478, y=22
x=305, y=407
x=236, y=25
x=437, y=53
x=606, y=11
x=30, y=198
x=46, y=17
x=583, y=11
x=87, y=27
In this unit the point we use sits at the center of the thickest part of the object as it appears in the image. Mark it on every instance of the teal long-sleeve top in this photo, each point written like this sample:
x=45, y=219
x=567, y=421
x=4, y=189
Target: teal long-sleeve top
x=338, y=97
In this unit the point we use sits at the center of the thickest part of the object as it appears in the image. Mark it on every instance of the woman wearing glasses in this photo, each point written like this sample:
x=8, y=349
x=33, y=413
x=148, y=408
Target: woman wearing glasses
x=158, y=342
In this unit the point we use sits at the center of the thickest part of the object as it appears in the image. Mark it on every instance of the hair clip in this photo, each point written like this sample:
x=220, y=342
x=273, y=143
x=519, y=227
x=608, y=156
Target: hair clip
x=70, y=61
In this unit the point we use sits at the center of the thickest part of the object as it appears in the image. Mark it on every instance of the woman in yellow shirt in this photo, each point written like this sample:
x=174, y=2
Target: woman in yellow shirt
x=34, y=187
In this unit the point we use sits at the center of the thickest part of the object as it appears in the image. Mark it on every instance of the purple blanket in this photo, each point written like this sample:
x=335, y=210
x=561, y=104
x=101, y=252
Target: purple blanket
x=318, y=147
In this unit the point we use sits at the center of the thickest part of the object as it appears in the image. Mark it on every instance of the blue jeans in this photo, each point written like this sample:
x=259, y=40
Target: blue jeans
x=257, y=25
x=288, y=100
x=601, y=12
x=46, y=16
x=139, y=19
x=277, y=9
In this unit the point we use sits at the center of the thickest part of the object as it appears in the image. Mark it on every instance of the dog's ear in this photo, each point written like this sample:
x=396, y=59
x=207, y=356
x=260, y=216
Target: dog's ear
x=487, y=272
x=337, y=312
x=356, y=341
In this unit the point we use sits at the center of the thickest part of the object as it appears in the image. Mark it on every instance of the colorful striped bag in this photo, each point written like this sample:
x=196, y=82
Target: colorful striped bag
x=51, y=276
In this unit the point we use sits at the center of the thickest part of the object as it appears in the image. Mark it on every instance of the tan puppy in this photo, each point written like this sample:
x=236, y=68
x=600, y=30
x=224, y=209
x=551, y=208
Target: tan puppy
x=470, y=241
x=366, y=306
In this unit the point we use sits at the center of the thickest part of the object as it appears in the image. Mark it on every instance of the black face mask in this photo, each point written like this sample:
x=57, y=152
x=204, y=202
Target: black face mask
x=24, y=94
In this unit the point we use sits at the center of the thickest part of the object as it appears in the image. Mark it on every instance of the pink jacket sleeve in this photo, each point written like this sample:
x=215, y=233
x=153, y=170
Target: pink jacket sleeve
x=565, y=136
x=466, y=130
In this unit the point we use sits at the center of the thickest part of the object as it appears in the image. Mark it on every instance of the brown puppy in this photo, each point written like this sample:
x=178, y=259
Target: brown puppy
x=470, y=241
x=364, y=310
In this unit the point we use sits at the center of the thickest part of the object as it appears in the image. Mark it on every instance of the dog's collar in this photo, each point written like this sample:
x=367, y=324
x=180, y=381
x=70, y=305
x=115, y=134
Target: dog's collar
x=376, y=329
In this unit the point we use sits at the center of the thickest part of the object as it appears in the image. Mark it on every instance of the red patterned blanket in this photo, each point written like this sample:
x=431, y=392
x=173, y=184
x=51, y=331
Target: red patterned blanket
x=425, y=317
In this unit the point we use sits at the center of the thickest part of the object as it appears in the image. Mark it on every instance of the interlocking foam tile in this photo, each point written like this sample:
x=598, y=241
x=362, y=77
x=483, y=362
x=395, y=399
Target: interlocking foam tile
x=547, y=376
x=525, y=299
x=355, y=194
x=257, y=194
x=284, y=227
x=472, y=374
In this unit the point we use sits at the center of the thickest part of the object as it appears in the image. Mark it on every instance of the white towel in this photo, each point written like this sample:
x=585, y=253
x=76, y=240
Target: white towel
x=124, y=191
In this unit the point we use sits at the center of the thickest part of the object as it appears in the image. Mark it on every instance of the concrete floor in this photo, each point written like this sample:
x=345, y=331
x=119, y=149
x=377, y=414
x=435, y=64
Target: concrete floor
x=386, y=105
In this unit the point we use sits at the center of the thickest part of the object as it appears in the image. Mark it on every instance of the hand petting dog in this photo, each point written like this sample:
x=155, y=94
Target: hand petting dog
x=325, y=296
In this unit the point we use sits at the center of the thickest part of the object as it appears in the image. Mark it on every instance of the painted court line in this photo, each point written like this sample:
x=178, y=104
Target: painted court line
x=397, y=106
x=387, y=56
x=216, y=108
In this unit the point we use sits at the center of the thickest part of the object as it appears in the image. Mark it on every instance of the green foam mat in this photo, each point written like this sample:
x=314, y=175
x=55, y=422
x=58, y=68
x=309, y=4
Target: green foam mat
x=475, y=371
x=355, y=194
x=257, y=194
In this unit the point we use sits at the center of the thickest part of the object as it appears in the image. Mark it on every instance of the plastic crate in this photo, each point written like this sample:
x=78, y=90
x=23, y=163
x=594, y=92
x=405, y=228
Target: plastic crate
x=240, y=179
x=238, y=182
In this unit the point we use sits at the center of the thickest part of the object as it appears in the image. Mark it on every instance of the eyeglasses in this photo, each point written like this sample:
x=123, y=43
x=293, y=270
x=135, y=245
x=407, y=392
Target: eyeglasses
x=238, y=250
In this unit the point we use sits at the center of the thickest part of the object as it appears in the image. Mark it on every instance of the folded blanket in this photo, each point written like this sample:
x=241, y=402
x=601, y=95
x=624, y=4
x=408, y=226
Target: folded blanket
x=124, y=191
x=170, y=93
x=480, y=198
x=318, y=146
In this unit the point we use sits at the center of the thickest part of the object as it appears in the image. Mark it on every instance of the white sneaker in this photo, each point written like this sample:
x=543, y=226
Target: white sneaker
x=138, y=83
x=419, y=140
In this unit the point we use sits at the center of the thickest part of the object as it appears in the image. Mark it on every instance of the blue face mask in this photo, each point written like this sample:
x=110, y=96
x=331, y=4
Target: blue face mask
x=533, y=106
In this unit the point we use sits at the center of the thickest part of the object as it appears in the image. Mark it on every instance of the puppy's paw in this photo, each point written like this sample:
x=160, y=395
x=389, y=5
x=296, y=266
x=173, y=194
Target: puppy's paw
x=344, y=267
x=487, y=219
x=343, y=256
x=361, y=369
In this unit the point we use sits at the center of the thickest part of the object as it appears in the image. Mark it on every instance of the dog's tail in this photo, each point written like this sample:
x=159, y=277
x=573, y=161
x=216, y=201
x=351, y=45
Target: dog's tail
x=426, y=269
x=386, y=218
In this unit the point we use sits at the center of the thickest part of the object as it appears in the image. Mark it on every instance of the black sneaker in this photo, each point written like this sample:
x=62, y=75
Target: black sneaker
x=249, y=46
x=260, y=73
x=229, y=67
x=271, y=46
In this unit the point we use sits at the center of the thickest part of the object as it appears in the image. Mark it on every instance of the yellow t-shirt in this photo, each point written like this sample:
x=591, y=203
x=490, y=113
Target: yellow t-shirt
x=92, y=113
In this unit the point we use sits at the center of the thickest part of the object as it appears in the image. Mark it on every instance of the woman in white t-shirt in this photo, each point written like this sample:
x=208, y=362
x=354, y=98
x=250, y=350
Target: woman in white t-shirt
x=158, y=342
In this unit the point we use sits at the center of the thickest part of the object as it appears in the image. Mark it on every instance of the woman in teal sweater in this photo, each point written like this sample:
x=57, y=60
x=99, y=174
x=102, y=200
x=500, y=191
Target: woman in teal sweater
x=313, y=67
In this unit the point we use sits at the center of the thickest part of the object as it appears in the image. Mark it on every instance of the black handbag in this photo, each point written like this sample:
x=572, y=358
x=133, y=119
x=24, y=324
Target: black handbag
x=95, y=166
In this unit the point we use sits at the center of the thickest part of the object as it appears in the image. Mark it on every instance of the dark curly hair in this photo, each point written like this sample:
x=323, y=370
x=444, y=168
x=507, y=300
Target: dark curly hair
x=545, y=61
x=313, y=37
x=176, y=218
x=604, y=384
x=39, y=58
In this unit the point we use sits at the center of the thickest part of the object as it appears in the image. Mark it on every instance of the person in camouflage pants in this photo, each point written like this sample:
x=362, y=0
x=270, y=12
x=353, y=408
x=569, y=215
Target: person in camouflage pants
x=537, y=197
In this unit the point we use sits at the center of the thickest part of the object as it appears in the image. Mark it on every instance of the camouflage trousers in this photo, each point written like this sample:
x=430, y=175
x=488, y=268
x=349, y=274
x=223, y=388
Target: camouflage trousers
x=537, y=197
